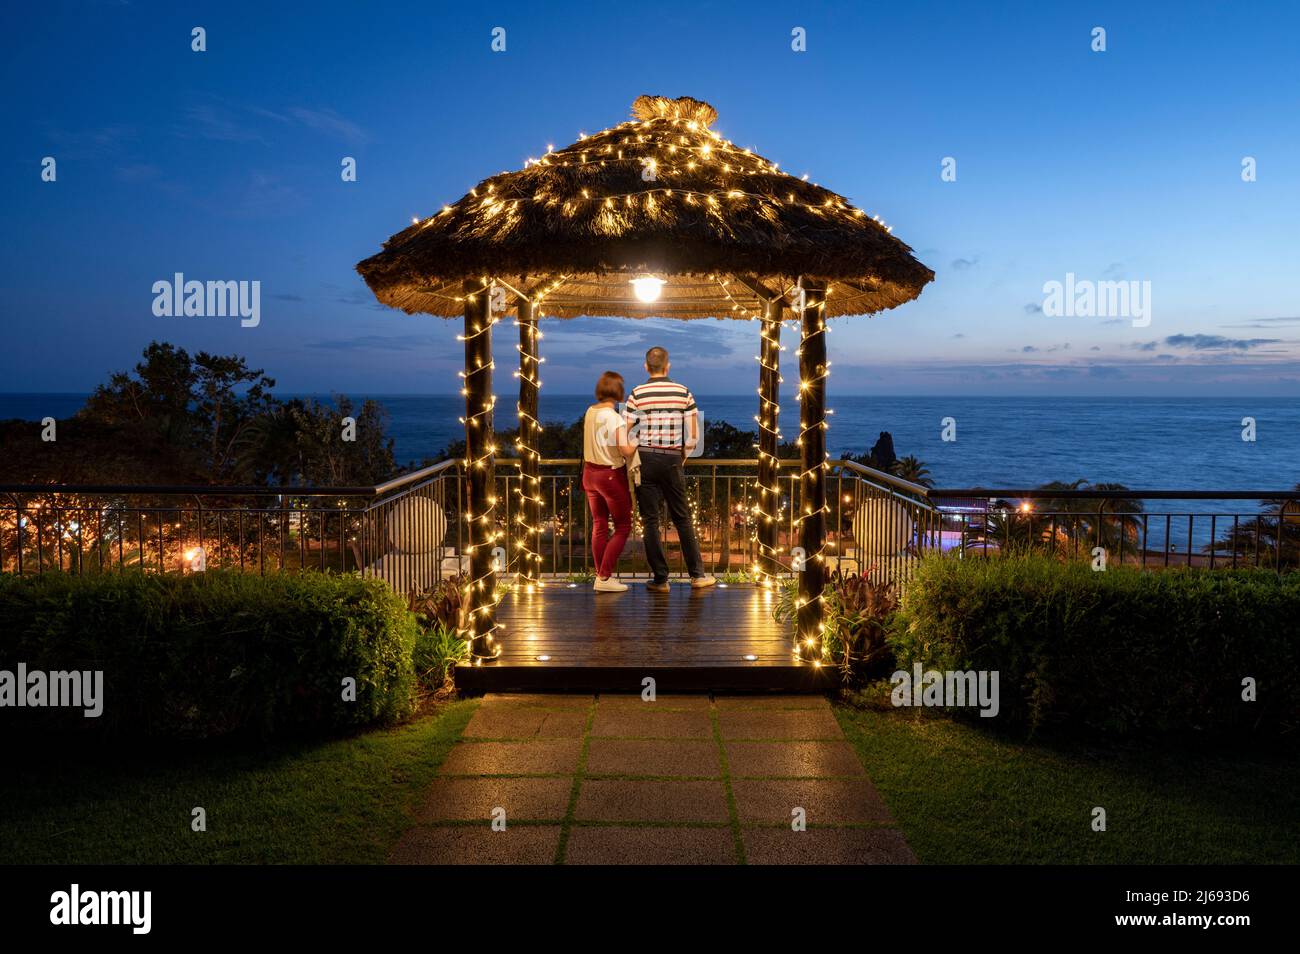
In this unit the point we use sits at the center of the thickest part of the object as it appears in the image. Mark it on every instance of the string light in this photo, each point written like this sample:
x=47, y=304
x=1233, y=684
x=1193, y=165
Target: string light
x=529, y=491
x=664, y=165
x=809, y=648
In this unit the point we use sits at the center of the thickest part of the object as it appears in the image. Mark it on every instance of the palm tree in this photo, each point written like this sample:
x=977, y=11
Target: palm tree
x=913, y=470
x=1272, y=537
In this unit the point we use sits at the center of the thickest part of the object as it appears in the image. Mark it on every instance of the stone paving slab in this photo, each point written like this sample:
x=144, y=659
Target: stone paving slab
x=793, y=759
x=825, y=801
x=526, y=722
x=543, y=700
x=652, y=801
x=663, y=701
x=674, y=757
x=769, y=724
x=650, y=846
x=826, y=846
x=539, y=757
x=728, y=703
x=474, y=799
x=657, y=724
x=652, y=785
x=477, y=845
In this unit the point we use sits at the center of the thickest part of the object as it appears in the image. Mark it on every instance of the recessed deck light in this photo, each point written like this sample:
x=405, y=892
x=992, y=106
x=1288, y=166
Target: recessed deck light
x=750, y=657
x=543, y=658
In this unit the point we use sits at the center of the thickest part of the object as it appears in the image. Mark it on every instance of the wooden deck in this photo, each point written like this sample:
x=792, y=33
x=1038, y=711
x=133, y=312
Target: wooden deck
x=566, y=636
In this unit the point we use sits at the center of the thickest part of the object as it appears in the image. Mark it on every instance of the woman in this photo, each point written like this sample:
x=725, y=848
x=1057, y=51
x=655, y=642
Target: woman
x=606, y=448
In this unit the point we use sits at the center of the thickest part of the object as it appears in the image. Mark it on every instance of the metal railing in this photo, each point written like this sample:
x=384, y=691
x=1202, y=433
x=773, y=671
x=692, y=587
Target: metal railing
x=384, y=531
x=411, y=531
x=1122, y=525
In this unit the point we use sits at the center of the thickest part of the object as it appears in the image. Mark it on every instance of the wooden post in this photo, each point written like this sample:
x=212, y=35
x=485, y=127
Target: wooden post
x=769, y=396
x=480, y=466
x=530, y=482
x=812, y=480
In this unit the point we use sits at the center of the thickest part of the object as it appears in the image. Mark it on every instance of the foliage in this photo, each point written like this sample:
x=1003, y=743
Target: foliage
x=858, y=611
x=1272, y=538
x=214, y=654
x=1118, y=650
x=913, y=469
x=201, y=419
x=442, y=613
x=1064, y=526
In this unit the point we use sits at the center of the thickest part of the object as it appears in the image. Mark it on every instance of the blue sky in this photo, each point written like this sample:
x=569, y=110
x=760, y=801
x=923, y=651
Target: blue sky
x=1122, y=165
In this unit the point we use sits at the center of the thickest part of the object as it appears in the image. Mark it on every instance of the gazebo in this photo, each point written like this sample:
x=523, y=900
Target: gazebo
x=659, y=216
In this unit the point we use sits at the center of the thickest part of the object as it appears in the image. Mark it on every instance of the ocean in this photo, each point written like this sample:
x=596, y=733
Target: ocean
x=1187, y=443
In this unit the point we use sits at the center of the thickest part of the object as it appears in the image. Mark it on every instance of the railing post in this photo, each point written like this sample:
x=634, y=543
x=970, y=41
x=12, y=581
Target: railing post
x=480, y=467
x=769, y=435
x=812, y=472
x=530, y=482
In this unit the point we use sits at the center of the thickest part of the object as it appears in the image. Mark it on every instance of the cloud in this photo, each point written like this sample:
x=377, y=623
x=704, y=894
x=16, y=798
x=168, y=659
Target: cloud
x=331, y=123
x=1028, y=349
x=223, y=122
x=288, y=297
x=1113, y=270
x=1034, y=308
x=1265, y=323
x=1217, y=342
x=961, y=264
x=1106, y=372
x=378, y=343
x=212, y=122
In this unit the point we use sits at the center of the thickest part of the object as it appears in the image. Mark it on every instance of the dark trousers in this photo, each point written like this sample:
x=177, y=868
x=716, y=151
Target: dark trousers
x=662, y=482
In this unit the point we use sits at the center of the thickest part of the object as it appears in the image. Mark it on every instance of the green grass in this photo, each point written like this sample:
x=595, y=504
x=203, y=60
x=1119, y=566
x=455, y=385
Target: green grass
x=963, y=795
x=342, y=801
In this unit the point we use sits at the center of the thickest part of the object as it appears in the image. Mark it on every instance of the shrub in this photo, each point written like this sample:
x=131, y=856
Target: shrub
x=212, y=654
x=442, y=642
x=858, y=610
x=1120, y=650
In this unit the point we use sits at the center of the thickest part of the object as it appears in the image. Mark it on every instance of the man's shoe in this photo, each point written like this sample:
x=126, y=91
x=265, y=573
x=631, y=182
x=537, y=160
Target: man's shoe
x=609, y=585
x=658, y=586
x=700, y=582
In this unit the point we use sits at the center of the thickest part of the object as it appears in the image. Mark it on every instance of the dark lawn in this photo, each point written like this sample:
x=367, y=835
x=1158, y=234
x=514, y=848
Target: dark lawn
x=325, y=802
x=963, y=795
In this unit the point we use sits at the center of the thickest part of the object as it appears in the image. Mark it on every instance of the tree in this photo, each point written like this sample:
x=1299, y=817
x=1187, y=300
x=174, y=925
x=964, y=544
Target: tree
x=912, y=469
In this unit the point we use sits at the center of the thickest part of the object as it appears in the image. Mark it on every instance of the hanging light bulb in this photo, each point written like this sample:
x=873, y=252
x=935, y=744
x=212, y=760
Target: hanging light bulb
x=647, y=287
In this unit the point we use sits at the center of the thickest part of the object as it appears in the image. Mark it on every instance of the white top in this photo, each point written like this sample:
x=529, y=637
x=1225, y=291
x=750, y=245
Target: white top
x=600, y=436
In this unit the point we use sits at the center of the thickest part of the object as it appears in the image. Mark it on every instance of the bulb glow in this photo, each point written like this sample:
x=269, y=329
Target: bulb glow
x=647, y=287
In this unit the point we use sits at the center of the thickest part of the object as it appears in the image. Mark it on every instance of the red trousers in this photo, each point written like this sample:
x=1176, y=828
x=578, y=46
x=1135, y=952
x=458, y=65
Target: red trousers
x=608, y=498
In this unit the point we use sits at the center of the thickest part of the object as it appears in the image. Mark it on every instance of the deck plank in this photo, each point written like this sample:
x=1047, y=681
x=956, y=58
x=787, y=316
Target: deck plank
x=578, y=627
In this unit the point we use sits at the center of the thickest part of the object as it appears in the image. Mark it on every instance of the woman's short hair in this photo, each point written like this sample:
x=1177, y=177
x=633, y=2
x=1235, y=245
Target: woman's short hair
x=610, y=387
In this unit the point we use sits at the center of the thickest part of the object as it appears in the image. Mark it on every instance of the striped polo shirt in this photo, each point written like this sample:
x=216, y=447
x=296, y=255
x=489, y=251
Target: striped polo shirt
x=659, y=410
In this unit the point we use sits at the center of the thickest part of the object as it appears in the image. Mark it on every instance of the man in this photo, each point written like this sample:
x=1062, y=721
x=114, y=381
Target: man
x=667, y=428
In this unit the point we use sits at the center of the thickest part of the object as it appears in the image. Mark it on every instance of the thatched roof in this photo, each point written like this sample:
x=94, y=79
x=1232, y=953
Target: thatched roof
x=661, y=194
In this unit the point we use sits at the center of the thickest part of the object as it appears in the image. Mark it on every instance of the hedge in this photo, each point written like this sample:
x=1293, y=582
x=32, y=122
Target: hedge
x=212, y=654
x=1120, y=650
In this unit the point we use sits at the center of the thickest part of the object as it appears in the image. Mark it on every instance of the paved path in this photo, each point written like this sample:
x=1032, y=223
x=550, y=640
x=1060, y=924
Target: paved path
x=682, y=780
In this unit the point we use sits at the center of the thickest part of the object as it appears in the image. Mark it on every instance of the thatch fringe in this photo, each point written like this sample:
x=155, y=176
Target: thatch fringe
x=662, y=194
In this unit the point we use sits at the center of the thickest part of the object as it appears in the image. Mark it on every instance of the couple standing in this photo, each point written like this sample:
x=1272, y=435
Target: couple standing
x=646, y=446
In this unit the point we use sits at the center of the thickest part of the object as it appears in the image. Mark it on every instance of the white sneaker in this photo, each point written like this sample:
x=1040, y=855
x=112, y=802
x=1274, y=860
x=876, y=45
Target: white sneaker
x=609, y=585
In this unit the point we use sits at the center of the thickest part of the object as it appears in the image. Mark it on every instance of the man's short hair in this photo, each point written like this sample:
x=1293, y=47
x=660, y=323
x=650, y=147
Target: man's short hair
x=656, y=360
